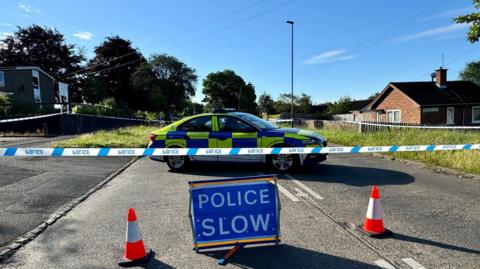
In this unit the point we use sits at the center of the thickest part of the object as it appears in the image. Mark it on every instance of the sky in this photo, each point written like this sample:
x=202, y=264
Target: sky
x=341, y=48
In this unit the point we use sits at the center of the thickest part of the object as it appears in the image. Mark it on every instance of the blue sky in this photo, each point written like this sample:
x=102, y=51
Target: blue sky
x=343, y=47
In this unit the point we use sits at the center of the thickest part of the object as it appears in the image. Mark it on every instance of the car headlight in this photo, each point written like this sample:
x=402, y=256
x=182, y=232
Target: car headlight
x=311, y=141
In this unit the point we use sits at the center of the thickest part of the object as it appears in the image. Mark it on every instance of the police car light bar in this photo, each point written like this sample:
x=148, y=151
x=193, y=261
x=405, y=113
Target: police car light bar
x=223, y=110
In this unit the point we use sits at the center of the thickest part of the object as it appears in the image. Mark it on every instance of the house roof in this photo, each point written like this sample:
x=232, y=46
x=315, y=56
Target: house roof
x=26, y=68
x=360, y=105
x=427, y=93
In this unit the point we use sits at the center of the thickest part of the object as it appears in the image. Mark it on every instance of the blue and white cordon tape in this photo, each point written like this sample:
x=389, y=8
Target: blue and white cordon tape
x=104, y=152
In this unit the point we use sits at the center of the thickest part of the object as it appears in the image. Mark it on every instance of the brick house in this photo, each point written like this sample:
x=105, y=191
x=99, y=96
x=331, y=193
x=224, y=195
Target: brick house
x=28, y=85
x=439, y=102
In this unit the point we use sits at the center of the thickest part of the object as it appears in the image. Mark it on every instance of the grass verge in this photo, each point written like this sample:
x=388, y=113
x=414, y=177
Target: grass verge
x=465, y=161
x=127, y=137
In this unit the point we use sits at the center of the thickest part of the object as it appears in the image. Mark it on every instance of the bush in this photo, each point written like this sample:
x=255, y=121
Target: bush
x=108, y=107
x=5, y=105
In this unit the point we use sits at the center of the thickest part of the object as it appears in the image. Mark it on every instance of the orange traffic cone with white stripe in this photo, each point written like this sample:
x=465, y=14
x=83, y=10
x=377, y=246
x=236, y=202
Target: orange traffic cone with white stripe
x=373, y=224
x=135, y=252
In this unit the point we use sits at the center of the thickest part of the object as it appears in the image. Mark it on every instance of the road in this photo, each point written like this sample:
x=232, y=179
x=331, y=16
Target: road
x=434, y=217
x=32, y=188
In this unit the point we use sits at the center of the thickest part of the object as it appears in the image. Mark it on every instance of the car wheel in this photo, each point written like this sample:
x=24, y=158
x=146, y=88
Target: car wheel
x=177, y=163
x=283, y=162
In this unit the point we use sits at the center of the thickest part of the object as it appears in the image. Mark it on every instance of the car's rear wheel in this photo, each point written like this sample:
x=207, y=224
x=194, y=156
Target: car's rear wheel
x=283, y=162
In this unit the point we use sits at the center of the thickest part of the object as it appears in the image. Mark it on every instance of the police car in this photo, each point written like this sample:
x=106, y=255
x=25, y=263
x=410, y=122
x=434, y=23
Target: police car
x=223, y=129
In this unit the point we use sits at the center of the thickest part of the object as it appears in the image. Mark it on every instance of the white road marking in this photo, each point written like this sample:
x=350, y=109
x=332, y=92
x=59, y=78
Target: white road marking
x=412, y=263
x=287, y=193
x=305, y=187
x=384, y=264
x=300, y=193
x=284, y=191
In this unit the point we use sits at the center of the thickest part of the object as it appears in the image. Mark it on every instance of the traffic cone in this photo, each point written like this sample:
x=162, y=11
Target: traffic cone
x=373, y=224
x=135, y=253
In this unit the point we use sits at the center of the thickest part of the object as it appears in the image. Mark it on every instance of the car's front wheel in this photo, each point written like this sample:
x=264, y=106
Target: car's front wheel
x=177, y=163
x=283, y=162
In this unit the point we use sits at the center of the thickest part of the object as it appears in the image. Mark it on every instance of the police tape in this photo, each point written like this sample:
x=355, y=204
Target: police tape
x=106, y=152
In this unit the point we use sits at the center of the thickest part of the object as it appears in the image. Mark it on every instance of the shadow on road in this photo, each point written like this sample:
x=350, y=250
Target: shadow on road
x=412, y=239
x=286, y=256
x=353, y=175
x=328, y=173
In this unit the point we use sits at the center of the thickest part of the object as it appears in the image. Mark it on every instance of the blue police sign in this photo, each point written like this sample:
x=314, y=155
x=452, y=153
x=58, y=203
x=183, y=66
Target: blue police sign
x=234, y=211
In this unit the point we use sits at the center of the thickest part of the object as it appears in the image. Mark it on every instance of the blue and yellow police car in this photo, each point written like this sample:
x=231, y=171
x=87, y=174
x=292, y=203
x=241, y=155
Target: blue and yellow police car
x=224, y=129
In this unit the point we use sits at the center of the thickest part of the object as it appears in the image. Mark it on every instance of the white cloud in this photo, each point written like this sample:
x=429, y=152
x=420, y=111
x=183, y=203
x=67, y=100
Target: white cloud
x=329, y=57
x=448, y=14
x=6, y=24
x=83, y=35
x=3, y=35
x=29, y=9
x=433, y=32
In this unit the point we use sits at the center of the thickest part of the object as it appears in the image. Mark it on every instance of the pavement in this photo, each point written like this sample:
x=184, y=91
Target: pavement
x=434, y=217
x=32, y=188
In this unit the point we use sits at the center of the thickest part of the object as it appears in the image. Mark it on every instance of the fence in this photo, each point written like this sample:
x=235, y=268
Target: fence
x=66, y=124
x=365, y=126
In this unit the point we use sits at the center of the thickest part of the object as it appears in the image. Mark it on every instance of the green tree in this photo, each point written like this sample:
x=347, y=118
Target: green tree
x=46, y=48
x=229, y=90
x=114, y=62
x=474, y=20
x=471, y=72
x=265, y=104
x=342, y=106
x=167, y=83
x=304, y=103
x=284, y=102
x=94, y=89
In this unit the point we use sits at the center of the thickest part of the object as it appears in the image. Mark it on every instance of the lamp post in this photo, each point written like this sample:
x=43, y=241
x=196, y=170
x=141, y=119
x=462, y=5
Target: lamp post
x=291, y=108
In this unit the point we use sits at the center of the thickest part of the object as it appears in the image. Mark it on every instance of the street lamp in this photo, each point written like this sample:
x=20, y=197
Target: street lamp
x=291, y=108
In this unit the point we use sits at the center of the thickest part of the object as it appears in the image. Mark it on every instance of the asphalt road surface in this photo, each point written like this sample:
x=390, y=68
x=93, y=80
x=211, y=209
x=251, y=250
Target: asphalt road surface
x=32, y=188
x=435, y=219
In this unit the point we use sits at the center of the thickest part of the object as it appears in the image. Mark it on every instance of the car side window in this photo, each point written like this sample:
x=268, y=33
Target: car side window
x=232, y=124
x=200, y=124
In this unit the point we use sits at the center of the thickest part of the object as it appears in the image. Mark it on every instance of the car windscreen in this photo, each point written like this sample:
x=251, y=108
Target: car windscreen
x=261, y=123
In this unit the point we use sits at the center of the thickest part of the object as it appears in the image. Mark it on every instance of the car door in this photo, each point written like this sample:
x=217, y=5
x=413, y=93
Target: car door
x=234, y=132
x=196, y=133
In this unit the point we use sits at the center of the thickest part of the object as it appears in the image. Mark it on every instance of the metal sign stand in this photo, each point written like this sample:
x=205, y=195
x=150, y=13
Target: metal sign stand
x=229, y=255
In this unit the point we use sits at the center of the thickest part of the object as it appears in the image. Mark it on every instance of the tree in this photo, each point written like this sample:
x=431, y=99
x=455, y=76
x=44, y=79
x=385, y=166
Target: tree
x=265, y=103
x=474, y=20
x=229, y=90
x=304, y=103
x=164, y=83
x=373, y=96
x=342, y=106
x=94, y=90
x=46, y=48
x=471, y=72
x=247, y=99
x=114, y=62
x=284, y=103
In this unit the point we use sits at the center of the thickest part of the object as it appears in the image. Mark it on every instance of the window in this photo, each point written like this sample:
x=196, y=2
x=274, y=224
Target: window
x=36, y=78
x=394, y=116
x=261, y=123
x=2, y=79
x=232, y=124
x=200, y=124
x=379, y=116
x=36, y=95
x=476, y=114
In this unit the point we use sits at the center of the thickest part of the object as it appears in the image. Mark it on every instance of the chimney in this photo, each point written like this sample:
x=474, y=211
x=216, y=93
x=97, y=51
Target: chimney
x=441, y=78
